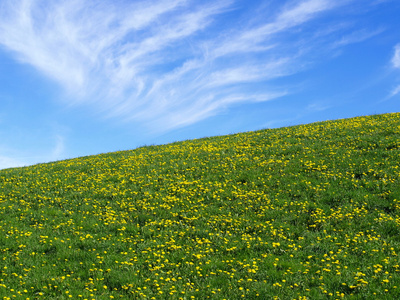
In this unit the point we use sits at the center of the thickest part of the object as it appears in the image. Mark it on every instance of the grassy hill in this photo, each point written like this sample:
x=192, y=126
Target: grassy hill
x=304, y=212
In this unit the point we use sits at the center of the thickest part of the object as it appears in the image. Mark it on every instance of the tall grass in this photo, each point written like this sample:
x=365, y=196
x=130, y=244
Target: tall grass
x=304, y=212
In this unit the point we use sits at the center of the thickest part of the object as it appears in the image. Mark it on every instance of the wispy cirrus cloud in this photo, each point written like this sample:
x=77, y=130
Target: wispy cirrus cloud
x=396, y=57
x=166, y=63
x=10, y=162
x=395, y=91
x=357, y=36
x=396, y=64
x=10, y=157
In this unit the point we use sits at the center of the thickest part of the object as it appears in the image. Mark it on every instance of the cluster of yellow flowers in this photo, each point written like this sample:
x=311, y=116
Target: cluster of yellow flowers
x=310, y=211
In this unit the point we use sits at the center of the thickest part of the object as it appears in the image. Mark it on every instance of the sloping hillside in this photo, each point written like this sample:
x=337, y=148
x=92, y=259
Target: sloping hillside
x=304, y=212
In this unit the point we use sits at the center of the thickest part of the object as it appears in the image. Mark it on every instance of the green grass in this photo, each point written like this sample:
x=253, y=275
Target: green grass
x=304, y=212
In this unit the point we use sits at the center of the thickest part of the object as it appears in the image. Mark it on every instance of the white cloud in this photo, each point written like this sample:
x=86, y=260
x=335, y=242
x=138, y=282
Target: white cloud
x=249, y=73
x=396, y=64
x=154, y=61
x=303, y=12
x=317, y=107
x=59, y=148
x=12, y=158
x=256, y=39
x=9, y=162
x=357, y=37
x=396, y=56
x=395, y=91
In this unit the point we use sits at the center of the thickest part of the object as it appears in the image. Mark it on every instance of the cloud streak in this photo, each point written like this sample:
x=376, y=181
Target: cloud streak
x=11, y=157
x=395, y=91
x=9, y=162
x=396, y=64
x=166, y=63
x=357, y=37
x=396, y=57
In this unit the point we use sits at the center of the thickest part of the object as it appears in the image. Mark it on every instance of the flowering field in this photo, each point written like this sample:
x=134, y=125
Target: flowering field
x=304, y=212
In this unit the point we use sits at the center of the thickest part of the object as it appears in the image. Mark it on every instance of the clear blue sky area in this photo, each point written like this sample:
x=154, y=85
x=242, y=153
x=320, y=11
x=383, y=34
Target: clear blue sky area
x=87, y=77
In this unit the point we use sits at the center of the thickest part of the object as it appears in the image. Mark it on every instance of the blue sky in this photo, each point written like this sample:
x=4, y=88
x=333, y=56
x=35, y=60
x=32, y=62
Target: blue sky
x=85, y=77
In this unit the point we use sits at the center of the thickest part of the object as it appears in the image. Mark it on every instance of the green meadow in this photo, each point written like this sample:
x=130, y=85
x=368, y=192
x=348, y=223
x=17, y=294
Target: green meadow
x=303, y=212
